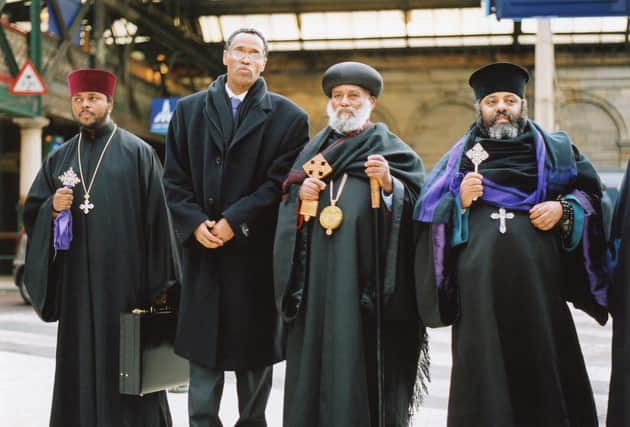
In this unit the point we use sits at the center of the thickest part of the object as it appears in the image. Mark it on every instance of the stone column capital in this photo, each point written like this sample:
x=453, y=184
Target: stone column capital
x=31, y=122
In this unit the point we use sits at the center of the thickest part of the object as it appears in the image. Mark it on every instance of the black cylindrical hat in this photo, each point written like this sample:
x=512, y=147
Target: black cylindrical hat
x=353, y=73
x=499, y=77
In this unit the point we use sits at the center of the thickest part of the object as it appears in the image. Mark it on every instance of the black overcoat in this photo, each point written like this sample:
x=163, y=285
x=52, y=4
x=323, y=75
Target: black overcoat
x=217, y=168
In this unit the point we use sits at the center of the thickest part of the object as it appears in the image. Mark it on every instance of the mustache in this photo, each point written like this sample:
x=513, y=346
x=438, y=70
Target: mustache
x=506, y=115
x=350, y=110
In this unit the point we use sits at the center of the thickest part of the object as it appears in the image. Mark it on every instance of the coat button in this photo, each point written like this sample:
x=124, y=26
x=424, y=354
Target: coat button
x=218, y=160
x=211, y=201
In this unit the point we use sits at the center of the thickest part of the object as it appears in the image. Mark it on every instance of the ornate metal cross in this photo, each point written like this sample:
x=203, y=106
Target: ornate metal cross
x=502, y=216
x=86, y=205
x=477, y=155
x=69, y=178
x=318, y=167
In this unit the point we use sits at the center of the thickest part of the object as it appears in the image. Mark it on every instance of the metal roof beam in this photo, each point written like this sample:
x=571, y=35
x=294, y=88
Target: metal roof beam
x=161, y=26
x=231, y=7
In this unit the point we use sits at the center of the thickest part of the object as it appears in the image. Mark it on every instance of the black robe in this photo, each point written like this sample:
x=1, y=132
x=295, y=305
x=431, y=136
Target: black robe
x=119, y=259
x=516, y=356
x=325, y=288
x=619, y=302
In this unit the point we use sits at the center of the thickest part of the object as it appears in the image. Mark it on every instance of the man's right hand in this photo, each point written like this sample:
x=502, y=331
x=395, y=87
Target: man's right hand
x=310, y=188
x=62, y=199
x=470, y=189
x=205, y=237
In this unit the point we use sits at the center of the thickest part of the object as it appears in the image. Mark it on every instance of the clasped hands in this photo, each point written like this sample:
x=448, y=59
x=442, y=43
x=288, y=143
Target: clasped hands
x=375, y=167
x=543, y=216
x=214, y=234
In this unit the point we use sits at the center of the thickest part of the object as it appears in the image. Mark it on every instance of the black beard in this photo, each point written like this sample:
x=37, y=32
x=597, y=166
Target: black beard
x=99, y=122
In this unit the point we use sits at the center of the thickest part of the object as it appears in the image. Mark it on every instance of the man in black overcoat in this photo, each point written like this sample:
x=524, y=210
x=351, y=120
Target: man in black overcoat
x=228, y=149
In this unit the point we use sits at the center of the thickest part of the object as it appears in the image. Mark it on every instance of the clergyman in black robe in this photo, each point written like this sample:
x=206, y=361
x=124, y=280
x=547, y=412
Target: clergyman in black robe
x=118, y=258
x=325, y=273
x=510, y=230
x=619, y=302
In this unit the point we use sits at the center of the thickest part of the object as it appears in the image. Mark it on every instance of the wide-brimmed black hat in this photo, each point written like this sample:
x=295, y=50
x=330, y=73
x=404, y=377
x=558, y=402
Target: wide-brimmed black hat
x=352, y=73
x=499, y=77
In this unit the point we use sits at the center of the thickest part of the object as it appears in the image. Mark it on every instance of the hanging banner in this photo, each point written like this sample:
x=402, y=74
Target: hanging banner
x=69, y=10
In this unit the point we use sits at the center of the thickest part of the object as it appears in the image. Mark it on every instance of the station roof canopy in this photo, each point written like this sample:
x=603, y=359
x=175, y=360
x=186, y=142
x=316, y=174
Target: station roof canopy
x=185, y=37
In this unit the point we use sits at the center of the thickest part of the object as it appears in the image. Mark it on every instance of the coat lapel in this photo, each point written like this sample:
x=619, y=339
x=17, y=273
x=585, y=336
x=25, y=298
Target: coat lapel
x=254, y=118
x=218, y=113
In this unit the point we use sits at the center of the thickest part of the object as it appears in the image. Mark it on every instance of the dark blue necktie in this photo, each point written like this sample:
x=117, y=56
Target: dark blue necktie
x=235, y=103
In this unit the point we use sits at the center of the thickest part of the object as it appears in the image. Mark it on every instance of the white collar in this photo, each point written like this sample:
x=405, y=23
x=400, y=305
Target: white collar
x=231, y=94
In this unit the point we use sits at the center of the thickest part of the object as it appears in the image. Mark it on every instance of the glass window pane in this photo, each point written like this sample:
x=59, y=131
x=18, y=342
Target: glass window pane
x=285, y=46
x=210, y=29
x=420, y=23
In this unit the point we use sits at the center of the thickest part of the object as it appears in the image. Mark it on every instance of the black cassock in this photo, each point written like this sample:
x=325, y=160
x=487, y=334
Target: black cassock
x=325, y=289
x=517, y=361
x=619, y=301
x=119, y=259
x=515, y=347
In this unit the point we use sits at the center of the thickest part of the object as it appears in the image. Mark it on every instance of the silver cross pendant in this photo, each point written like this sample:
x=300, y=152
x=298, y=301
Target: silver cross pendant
x=502, y=215
x=86, y=206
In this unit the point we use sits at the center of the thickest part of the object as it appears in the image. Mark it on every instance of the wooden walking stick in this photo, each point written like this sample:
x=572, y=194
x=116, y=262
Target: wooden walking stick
x=375, y=196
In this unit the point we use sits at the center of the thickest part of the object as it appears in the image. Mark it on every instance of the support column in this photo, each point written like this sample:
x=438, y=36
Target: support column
x=99, y=28
x=30, y=151
x=545, y=69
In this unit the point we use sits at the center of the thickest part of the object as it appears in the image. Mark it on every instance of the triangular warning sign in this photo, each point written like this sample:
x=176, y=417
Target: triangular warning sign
x=28, y=81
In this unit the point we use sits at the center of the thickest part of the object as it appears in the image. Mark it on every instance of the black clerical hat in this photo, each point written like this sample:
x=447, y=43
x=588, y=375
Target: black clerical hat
x=499, y=77
x=352, y=73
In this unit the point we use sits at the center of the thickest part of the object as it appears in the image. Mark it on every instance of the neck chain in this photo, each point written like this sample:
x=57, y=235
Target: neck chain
x=334, y=200
x=331, y=216
x=86, y=206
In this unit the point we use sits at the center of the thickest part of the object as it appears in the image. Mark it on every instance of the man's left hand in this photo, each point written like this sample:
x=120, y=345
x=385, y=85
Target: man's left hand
x=544, y=216
x=223, y=230
x=377, y=167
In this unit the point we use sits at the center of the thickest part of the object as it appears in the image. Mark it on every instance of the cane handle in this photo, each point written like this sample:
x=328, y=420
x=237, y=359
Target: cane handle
x=375, y=193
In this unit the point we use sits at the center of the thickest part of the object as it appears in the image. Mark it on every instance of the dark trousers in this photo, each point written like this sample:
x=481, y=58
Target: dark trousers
x=205, y=390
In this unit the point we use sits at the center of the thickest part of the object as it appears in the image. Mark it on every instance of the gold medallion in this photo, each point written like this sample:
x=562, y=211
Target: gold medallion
x=330, y=218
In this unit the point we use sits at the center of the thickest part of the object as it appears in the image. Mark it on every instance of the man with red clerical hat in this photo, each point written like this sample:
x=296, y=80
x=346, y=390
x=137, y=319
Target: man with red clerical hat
x=98, y=247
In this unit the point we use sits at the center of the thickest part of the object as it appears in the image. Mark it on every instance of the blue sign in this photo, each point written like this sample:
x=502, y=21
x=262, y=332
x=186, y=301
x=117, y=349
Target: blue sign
x=516, y=9
x=161, y=113
x=69, y=10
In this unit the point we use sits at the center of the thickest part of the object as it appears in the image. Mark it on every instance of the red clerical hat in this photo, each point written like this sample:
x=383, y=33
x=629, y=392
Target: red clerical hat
x=92, y=80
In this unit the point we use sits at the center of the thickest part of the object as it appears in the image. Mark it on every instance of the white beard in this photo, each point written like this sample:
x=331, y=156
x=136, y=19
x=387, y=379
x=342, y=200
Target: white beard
x=346, y=125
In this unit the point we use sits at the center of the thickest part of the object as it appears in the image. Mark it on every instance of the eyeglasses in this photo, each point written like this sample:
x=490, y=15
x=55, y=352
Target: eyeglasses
x=239, y=54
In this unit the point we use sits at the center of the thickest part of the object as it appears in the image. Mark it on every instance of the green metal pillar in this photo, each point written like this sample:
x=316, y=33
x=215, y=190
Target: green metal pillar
x=35, y=43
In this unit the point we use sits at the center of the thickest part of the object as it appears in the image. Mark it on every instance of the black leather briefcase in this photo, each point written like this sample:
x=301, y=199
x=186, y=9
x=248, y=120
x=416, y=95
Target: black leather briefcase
x=147, y=360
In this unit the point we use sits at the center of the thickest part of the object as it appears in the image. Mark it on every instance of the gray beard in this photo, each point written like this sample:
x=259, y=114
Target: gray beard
x=346, y=125
x=503, y=130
